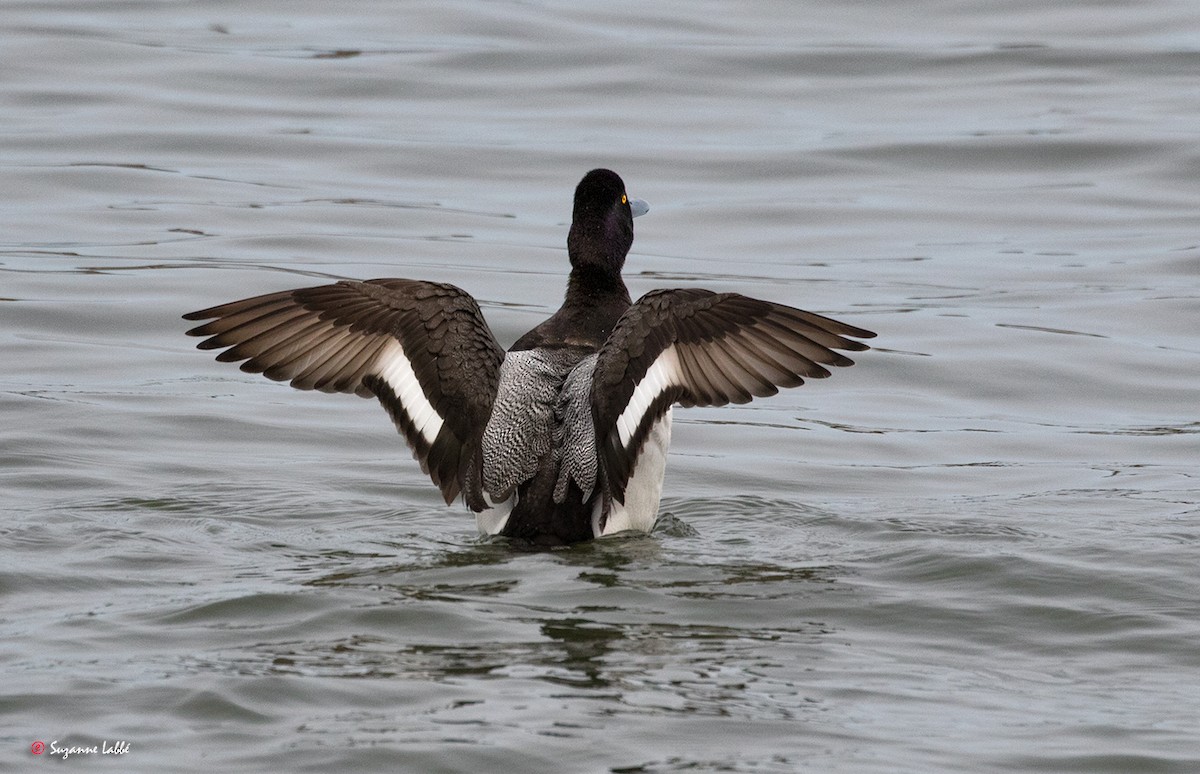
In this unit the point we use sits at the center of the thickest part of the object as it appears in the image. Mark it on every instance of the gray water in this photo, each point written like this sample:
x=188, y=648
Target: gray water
x=973, y=551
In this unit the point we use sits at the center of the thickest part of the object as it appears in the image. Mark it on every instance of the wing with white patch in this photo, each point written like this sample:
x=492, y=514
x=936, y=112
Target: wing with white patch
x=698, y=348
x=422, y=348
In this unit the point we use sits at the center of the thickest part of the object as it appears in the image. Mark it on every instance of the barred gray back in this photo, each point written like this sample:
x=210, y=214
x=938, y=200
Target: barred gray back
x=520, y=431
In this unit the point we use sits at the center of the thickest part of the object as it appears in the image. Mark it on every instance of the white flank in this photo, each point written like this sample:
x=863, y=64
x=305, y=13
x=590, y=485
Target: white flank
x=662, y=375
x=491, y=521
x=397, y=371
x=644, y=489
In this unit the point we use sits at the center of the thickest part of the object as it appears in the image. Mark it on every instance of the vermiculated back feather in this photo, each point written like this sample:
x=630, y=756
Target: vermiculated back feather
x=520, y=432
x=575, y=434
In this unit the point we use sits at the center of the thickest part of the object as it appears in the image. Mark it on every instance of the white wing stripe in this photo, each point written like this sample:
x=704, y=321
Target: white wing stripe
x=421, y=411
x=397, y=371
x=623, y=429
x=663, y=374
x=413, y=399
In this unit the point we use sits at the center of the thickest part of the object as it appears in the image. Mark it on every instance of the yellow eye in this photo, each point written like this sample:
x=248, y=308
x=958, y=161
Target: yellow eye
x=624, y=199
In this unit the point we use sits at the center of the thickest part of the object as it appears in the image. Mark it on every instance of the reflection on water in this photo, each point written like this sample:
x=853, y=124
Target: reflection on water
x=609, y=618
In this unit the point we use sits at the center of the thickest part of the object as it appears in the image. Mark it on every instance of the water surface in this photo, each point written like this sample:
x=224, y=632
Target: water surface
x=973, y=551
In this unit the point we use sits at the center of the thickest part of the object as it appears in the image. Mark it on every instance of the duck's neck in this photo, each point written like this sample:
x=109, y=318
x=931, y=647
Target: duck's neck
x=591, y=285
x=595, y=300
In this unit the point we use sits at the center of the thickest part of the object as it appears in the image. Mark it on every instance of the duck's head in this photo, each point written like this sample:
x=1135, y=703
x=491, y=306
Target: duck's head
x=602, y=222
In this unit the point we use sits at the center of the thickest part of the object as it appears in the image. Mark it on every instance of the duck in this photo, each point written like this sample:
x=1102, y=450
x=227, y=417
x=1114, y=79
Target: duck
x=562, y=438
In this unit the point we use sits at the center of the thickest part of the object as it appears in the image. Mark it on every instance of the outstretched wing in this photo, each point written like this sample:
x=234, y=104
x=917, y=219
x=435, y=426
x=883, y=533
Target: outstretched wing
x=699, y=348
x=422, y=348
